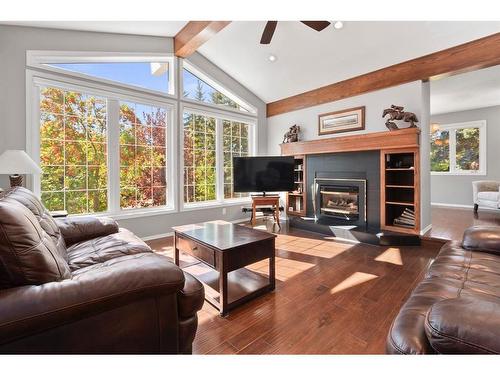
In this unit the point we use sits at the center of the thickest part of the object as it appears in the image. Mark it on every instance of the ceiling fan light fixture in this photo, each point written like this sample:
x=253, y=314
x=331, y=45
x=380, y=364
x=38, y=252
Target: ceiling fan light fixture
x=272, y=58
x=338, y=25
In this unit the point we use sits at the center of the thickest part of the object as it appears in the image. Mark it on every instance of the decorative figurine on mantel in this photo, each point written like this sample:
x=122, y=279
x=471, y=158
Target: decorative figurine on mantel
x=398, y=113
x=292, y=135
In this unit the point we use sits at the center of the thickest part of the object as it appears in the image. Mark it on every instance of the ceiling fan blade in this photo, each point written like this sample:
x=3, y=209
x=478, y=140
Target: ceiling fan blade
x=267, y=35
x=316, y=25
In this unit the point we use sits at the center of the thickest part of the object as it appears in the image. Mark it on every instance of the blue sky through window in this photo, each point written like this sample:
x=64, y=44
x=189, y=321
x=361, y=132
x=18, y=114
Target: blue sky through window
x=132, y=73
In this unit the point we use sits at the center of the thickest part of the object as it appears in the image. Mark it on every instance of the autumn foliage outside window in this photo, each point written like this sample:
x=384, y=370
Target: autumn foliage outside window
x=456, y=149
x=143, y=132
x=73, y=153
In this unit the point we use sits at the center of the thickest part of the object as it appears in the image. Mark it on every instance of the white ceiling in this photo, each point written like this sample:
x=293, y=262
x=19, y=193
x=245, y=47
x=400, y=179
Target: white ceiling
x=152, y=28
x=307, y=59
x=477, y=89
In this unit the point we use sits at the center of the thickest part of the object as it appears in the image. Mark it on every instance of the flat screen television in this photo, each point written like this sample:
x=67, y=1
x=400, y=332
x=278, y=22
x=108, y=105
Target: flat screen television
x=263, y=174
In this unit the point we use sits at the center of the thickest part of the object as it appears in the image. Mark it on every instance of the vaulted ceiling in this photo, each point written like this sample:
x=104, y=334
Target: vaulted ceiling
x=151, y=28
x=307, y=59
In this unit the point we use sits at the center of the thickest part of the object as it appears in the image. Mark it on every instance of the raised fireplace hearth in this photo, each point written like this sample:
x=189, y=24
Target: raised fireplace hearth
x=340, y=200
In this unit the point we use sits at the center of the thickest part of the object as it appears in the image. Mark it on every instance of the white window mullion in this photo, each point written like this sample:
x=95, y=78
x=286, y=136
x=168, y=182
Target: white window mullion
x=114, y=155
x=453, y=150
x=219, y=159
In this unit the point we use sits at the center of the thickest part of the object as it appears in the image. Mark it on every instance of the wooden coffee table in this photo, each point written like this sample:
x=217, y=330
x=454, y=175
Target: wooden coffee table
x=225, y=249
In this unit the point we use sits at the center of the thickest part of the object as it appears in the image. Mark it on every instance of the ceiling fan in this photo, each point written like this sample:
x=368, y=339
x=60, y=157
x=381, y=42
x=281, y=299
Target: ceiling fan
x=268, y=33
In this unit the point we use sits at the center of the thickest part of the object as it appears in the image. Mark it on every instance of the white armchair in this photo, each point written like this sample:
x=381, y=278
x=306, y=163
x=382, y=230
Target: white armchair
x=486, y=194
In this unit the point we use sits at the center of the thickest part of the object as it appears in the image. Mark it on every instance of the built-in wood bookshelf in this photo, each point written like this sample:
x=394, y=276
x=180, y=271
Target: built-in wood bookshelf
x=296, y=200
x=400, y=190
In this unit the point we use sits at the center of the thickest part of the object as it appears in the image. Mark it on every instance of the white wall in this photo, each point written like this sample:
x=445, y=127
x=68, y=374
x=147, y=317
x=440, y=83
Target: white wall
x=413, y=96
x=15, y=41
x=458, y=189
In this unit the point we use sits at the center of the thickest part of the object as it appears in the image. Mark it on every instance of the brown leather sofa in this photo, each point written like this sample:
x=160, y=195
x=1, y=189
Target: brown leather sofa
x=84, y=285
x=456, y=308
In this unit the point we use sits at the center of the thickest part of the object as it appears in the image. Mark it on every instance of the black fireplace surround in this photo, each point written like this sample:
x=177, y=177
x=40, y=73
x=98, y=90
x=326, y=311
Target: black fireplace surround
x=350, y=182
x=346, y=172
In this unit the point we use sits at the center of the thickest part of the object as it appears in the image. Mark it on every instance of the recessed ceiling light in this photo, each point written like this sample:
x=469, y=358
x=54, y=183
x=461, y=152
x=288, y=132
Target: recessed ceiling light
x=272, y=58
x=338, y=25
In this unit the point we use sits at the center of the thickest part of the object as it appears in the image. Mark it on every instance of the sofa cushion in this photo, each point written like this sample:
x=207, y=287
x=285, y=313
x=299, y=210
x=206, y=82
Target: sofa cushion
x=46, y=221
x=489, y=196
x=464, y=325
x=28, y=255
x=101, y=249
x=82, y=228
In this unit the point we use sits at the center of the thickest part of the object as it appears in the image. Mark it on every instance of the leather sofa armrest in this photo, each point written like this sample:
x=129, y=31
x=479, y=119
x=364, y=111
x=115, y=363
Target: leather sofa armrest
x=190, y=300
x=464, y=326
x=27, y=310
x=482, y=238
x=82, y=228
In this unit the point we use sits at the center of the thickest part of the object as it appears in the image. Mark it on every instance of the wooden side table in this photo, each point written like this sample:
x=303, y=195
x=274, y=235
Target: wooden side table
x=272, y=200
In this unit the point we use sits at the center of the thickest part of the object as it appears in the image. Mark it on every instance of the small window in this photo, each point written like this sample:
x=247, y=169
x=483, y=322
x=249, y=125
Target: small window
x=143, y=165
x=199, y=158
x=148, y=75
x=198, y=89
x=459, y=148
x=235, y=143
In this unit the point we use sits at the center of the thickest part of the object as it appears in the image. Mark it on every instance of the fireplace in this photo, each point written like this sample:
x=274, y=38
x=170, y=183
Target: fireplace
x=340, y=200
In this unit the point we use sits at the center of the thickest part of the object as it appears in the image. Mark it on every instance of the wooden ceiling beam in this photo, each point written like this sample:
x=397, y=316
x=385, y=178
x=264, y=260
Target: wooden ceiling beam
x=478, y=54
x=194, y=34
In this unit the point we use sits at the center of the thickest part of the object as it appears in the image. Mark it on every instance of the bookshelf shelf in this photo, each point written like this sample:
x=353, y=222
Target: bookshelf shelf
x=400, y=193
x=296, y=200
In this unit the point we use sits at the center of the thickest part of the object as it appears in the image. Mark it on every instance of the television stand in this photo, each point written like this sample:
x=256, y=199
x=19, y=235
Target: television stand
x=266, y=200
x=263, y=194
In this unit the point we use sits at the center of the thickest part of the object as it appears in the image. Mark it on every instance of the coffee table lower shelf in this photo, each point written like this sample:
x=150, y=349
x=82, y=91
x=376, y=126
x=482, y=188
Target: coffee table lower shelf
x=243, y=284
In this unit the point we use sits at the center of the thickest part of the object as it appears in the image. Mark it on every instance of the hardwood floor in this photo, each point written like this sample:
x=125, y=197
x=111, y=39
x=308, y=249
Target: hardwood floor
x=450, y=223
x=330, y=297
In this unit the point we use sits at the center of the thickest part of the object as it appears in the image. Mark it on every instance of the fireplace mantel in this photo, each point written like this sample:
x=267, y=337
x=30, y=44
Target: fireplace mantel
x=398, y=139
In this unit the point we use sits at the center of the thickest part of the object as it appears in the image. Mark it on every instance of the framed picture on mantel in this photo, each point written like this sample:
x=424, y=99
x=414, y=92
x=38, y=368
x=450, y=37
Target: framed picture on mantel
x=342, y=121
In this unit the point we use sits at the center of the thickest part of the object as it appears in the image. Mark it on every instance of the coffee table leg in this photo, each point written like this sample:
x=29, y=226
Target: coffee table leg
x=223, y=293
x=272, y=272
x=176, y=251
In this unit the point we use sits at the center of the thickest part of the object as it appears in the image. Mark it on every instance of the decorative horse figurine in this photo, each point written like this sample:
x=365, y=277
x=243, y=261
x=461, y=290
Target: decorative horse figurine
x=398, y=113
x=292, y=135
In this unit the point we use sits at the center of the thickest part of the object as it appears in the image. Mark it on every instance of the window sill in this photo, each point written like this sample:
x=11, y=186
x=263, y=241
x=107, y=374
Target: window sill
x=215, y=204
x=458, y=174
x=132, y=214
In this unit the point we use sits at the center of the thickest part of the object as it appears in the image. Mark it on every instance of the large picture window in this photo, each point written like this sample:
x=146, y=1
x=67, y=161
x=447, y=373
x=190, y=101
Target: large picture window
x=459, y=148
x=73, y=151
x=75, y=158
x=109, y=139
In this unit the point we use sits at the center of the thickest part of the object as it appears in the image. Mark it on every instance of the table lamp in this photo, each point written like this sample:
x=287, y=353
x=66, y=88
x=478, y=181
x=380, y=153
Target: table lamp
x=16, y=163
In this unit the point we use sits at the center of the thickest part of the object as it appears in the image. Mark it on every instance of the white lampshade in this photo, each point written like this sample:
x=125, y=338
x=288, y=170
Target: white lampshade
x=17, y=162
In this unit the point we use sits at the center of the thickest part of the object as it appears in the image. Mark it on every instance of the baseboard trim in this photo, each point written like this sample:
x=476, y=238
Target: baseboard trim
x=170, y=234
x=452, y=205
x=157, y=236
x=426, y=229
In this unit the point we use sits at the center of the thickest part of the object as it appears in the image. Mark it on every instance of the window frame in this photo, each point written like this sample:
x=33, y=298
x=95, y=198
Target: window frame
x=193, y=69
x=219, y=116
x=36, y=80
x=175, y=104
x=452, y=129
x=38, y=59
